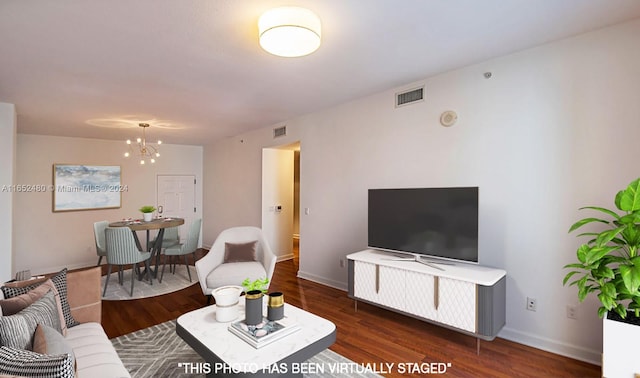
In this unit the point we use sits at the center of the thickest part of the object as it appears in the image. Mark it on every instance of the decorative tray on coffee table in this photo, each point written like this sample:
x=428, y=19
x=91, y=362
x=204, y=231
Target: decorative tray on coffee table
x=265, y=332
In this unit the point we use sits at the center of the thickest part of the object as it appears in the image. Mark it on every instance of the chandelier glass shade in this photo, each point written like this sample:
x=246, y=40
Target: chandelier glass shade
x=144, y=151
x=289, y=31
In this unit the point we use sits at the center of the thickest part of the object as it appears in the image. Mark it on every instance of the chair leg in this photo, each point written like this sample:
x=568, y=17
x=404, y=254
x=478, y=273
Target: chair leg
x=99, y=260
x=106, y=283
x=186, y=265
x=164, y=264
x=132, y=278
x=147, y=263
x=120, y=275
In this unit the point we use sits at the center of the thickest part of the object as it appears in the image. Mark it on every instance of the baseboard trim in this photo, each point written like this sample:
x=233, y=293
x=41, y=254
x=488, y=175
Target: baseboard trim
x=553, y=346
x=321, y=280
x=285, y=257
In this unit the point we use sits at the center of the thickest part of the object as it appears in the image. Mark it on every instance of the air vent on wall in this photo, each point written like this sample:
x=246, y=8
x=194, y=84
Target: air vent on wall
x=280, y=131
x=409, y=97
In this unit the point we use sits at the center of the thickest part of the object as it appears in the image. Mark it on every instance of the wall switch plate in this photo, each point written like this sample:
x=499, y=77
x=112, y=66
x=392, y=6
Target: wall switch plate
x=572, y=312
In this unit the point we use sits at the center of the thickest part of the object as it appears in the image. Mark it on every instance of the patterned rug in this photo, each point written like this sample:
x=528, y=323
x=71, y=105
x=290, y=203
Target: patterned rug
x=159, y=352
x=142, y=289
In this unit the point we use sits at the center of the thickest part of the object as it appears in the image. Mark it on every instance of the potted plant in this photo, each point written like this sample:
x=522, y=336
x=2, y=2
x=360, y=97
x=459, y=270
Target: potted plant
x=259, y=284
x=147, y=212
x=609, y=266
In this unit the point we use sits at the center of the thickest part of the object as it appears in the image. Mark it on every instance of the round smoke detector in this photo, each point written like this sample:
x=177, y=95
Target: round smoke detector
x=448, y=118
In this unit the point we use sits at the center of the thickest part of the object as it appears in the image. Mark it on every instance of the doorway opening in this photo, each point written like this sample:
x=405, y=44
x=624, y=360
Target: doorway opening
x=281, y=200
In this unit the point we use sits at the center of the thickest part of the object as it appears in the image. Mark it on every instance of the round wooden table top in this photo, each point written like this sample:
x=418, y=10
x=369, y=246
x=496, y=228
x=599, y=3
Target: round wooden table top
x=154, y=224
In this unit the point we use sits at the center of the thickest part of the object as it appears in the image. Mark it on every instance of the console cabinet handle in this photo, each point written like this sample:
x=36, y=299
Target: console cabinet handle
x=436, y=291
x=377, y=278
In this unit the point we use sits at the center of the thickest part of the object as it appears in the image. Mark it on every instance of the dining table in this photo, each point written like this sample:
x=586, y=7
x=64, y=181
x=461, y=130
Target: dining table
x=155, y=224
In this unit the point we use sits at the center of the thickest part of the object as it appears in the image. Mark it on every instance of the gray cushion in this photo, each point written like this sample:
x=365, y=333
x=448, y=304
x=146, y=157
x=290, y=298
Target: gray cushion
x=25, y=363
x=235, y=273
x=240, y=252
x=46, y=340
x=16, y=331
x=60, y=282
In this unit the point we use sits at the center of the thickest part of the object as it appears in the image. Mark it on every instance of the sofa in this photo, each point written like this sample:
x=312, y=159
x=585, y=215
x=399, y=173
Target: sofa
x=94, y=355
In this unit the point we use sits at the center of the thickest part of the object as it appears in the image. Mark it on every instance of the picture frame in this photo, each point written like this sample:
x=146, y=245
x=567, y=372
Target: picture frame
x=86, y=187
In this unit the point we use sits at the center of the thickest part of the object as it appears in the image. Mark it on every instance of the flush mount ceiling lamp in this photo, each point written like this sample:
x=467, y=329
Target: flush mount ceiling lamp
x=145, y=151
x=289, y=31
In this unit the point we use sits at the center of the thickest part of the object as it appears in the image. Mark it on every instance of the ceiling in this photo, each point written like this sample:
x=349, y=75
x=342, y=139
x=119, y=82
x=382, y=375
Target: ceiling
x=194, y=70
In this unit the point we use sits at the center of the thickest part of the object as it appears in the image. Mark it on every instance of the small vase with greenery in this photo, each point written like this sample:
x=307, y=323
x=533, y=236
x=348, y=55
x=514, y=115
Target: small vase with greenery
x=608, y=263
x=147, y=212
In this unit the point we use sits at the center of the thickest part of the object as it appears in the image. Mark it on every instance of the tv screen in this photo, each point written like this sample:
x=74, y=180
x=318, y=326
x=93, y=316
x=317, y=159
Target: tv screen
x=438, y=222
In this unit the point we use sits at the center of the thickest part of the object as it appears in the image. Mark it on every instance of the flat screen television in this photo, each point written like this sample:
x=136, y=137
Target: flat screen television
x=434, y=222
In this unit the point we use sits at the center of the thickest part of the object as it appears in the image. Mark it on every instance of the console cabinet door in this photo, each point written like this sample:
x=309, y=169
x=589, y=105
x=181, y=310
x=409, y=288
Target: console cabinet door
x=379, y=284
x=457, y=304
x=421, y=299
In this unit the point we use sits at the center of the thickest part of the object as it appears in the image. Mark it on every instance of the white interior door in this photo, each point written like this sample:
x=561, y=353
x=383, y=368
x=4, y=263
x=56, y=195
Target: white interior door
x=177, y=198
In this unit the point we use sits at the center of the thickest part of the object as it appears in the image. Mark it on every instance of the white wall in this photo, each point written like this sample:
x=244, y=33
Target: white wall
x=277, y=190
x=45, y=241
x=7, y=178
x=554, y=129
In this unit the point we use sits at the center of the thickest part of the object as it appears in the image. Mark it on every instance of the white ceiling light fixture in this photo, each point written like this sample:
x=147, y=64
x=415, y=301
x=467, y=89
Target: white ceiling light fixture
x=289, y=31
x=146, y=151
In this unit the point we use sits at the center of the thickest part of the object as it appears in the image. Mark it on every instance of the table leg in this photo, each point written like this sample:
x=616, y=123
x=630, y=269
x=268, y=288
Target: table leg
x=158, y=250
x=135, y=237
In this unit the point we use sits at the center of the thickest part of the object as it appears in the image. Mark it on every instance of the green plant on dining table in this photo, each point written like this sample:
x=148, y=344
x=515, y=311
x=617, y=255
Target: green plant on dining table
x=608, y=263
x=147, y=209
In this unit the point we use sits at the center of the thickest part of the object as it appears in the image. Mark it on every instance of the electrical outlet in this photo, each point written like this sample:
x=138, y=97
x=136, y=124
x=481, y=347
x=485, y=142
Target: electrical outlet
x=572, y=312
x=341, y=263
x=531, y=304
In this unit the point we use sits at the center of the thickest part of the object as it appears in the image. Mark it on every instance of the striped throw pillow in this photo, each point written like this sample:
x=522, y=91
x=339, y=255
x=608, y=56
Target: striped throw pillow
x=16, y=331
x=60, y=282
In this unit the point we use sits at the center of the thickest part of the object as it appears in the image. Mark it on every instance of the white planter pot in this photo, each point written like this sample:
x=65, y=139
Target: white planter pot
x=619, y=356
x=147, y=216
x=227, y=302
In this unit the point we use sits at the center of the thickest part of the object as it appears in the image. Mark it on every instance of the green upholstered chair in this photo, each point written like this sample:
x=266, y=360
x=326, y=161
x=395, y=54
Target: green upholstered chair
x=189, y=246
x=170, y=238
x=98, y=233
x=122, y=250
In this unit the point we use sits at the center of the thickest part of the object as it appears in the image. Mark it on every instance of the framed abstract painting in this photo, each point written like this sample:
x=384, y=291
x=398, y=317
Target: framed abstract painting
x=86, y=187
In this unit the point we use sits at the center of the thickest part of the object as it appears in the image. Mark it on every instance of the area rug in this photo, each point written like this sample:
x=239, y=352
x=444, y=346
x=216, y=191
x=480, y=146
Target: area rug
x=142, y=289
x=159, y=352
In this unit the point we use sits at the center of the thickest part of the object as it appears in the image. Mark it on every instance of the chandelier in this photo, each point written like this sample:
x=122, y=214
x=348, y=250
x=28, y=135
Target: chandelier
x=146, y=151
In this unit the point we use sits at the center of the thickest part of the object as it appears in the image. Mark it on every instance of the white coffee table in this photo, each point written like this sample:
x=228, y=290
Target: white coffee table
x=229, y=356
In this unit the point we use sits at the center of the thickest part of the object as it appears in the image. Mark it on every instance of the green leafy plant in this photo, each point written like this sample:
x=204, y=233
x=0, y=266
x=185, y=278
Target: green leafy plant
x=608, y=263
x=147, y=209
x=259, y=284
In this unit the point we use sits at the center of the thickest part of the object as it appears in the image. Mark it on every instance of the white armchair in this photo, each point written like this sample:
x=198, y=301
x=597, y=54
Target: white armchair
x=213, y=272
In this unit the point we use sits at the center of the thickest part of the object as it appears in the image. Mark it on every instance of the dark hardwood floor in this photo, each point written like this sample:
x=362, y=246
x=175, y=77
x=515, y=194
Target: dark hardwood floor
x=370, y=335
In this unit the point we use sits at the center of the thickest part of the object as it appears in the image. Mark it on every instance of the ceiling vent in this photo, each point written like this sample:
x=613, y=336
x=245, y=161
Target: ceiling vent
x=280, y=131
x=409, y=97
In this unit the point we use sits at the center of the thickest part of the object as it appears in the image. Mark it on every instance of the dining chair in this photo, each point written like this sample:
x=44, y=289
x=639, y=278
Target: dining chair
x=171, y=238
x=122, y=250
x=98, y=234
x=190, y=245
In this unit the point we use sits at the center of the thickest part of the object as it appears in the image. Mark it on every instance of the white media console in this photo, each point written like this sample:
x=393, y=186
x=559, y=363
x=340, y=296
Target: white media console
x=463, y=297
